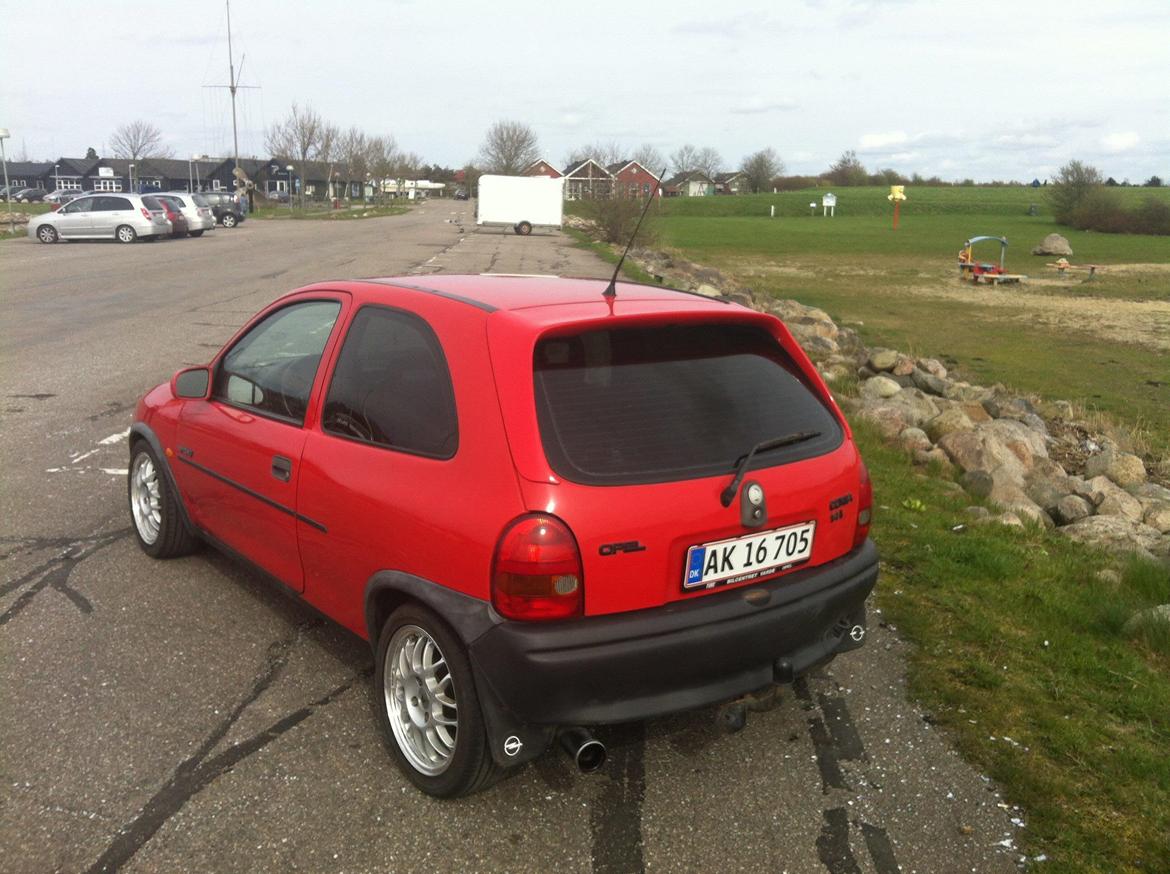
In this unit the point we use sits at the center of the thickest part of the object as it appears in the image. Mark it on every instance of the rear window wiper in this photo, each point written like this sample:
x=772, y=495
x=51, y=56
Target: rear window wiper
x=728, y=494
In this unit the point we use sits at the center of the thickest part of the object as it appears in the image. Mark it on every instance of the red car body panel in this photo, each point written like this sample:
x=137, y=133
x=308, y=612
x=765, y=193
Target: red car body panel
x=360, y=508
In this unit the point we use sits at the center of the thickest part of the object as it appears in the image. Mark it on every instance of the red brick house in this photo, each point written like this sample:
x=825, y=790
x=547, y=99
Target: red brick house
x=542, y=168
x=631, y=179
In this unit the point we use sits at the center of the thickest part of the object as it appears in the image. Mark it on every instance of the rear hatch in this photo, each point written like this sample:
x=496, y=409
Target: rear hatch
x=639, y=430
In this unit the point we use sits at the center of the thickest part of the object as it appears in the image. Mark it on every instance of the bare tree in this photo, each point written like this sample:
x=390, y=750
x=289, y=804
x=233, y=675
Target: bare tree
x=508, y=147
x=139, y=139
x=382, y=158
x=684, y=159
x=604, y=153
x=301, y=137
x=709, y=161
x=848, y=170
x=353, y=147
x=761, y=168
x=650, y=158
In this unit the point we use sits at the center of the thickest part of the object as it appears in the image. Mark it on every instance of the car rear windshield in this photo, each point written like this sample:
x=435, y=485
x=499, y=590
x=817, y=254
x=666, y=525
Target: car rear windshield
x=641, y=405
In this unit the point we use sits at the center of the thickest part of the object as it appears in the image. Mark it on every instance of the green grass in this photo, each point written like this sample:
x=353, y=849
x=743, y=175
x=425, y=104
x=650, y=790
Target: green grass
x=1014, y=200
x=1017, y=637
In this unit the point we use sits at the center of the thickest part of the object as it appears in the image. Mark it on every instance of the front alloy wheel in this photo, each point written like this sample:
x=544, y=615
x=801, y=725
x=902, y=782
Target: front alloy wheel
x=145, y=498
x=159, y=526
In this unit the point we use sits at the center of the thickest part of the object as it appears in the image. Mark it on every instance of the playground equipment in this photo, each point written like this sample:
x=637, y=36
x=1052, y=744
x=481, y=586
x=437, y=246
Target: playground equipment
x=979, y=271
x=1062, y=267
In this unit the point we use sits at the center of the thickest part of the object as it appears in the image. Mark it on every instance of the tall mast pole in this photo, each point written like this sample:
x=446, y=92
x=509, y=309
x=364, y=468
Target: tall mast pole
x=232, y=89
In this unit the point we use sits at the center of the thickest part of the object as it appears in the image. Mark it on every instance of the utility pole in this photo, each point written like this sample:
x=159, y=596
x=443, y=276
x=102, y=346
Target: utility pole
x=233, y=86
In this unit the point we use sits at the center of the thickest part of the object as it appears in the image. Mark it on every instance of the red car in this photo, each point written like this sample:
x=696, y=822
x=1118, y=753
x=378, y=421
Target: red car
x=174, y=210
x=545, y=508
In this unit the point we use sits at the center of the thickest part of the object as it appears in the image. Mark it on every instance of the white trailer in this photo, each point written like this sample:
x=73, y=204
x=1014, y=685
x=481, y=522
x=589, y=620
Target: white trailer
x=520, y=202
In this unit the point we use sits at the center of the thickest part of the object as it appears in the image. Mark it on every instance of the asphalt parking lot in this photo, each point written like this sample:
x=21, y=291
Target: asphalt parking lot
x=186, y=716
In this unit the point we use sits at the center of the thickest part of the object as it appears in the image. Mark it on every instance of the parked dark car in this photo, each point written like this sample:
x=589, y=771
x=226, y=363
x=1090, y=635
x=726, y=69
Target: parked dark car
x=226, y=208
x=277, y=196
x=30, y=195
x=461, y=194
x=174, y=210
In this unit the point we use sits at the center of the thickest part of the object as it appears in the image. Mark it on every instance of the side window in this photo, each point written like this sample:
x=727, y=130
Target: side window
x=271, y=368
x=82, y=204
x=392, y=387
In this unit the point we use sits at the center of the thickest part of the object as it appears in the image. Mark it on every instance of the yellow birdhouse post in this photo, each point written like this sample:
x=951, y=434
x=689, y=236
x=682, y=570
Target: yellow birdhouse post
x=896, y=196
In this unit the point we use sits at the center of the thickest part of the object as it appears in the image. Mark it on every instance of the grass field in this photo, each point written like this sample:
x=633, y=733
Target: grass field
x=1104, y=344
x=323, y=212
x=1017, y=637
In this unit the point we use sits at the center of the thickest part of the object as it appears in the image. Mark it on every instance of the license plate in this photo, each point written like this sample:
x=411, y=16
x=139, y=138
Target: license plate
x=746, y=558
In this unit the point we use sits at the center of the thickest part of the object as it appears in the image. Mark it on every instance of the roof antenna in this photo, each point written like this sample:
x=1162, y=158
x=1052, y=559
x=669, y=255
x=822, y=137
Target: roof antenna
x=611, y=289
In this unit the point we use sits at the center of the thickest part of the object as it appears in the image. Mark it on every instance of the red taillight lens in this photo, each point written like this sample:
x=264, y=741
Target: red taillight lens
x=864, y=507
x=146, y=213
x=537, y=571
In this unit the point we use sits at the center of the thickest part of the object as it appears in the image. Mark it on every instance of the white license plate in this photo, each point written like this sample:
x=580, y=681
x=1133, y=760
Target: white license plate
x=746, y=558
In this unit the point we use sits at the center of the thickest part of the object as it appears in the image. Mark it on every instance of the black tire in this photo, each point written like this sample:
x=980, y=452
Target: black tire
x=524, y=229
x=228, y=220
x=125, y=234
x=47, y=234
x=173, y=538
x=471, y=768
x=196, y=233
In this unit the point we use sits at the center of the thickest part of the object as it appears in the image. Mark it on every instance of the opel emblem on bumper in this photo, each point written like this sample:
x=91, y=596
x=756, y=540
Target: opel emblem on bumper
x=513, y=745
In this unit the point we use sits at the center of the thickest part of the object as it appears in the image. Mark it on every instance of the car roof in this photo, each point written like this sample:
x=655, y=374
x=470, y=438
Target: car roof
x=537, y=299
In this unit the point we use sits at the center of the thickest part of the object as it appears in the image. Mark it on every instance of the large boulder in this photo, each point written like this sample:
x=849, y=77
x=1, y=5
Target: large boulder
x=1053, y=244
x=1116, y=501
x=879, y=387
x=1070, y=508
x=929, y=382
x=947, y=422
x=1123, y=468
x=1158, y=517
x=1116, y=533
x=882, y=359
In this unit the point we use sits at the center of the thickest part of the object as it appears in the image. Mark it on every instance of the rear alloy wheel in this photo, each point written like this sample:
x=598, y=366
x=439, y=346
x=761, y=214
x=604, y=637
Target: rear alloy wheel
x=428, y=707
x=126, y=234
x=524, y=229
x=229, y=220
x=47, y=234
x=158, y=526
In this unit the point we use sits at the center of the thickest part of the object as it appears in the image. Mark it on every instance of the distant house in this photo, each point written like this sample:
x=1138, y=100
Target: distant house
x=732, y=183
x=541, y=168
x=587, y=180
x=30, y=174
x=71, y=174
x=692, y=183
x=631, y=179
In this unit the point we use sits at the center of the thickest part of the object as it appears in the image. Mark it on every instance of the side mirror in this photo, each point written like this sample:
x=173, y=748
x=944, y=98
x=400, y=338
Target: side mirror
x=191, y=383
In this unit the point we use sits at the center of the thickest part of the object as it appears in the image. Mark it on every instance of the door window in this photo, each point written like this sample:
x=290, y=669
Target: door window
x=272, y=367
x=392, y=387
x=111, y=204
x=82, y=204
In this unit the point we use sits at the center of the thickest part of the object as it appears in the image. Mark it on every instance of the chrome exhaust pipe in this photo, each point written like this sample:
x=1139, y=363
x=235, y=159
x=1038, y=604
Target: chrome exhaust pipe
x=586, y=751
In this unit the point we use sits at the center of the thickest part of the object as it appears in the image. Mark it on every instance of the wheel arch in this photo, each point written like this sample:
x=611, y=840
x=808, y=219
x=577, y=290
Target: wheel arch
x=140, y=432
x=388, y=590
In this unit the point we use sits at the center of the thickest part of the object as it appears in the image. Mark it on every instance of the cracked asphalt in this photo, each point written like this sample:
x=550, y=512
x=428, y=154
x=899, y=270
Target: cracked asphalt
x=187, y=716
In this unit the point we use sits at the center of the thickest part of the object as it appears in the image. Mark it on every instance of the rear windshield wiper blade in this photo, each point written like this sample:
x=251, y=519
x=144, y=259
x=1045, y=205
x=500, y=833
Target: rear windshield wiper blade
x=728, y=494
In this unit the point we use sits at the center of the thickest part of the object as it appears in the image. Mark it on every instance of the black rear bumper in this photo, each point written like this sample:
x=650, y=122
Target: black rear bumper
x=692, y=653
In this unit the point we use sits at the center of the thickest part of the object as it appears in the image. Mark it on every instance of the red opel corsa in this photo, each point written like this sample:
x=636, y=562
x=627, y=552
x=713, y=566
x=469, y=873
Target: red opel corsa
x=546, y=509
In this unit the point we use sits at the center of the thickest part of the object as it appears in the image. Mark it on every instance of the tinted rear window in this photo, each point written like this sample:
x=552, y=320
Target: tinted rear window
x=666, y=403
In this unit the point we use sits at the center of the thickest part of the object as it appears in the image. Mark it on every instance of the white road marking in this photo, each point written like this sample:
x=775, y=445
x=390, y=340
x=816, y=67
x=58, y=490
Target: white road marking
x=115, y=471
x=114, y=438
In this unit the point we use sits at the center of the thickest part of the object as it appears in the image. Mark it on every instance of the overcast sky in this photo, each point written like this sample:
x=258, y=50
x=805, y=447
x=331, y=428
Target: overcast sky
x=990, y=90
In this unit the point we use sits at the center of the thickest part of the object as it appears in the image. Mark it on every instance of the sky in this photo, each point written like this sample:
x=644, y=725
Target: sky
x=1002, y=89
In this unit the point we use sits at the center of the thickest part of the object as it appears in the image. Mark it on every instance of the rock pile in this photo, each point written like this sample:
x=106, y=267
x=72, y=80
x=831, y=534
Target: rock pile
x=996, y=443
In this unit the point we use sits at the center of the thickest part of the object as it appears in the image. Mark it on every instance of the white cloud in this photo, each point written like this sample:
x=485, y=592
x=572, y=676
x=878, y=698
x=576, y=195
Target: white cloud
x=757, y=105
x=875, y=142
x=1124, y=141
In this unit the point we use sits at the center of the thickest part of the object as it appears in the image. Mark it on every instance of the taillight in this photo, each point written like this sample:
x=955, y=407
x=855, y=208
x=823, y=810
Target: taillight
x=864, y=507
x=146, y=213
x=536, y=573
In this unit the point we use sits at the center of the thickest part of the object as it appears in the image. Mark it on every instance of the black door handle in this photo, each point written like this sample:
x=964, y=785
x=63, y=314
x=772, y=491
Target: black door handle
x=281, y=468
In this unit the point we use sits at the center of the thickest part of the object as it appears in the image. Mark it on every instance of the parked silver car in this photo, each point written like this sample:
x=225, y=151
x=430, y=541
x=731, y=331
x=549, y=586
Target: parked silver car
x=196, y=210
x=119, y=216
